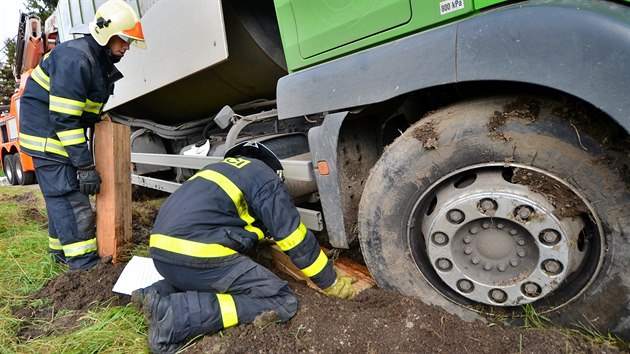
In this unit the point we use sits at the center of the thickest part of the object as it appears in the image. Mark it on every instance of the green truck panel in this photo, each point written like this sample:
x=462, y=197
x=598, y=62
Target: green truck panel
x=317, y=31
x=329, y=24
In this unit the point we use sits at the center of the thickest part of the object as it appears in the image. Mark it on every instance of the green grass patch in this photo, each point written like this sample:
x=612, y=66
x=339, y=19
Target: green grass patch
x=26, y=267
x=105, y=330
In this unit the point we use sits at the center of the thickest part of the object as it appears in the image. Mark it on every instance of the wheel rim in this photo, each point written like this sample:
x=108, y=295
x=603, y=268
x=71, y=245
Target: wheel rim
x=486, y=240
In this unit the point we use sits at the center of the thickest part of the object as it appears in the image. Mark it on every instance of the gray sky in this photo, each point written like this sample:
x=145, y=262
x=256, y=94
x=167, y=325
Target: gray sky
x=10, y=10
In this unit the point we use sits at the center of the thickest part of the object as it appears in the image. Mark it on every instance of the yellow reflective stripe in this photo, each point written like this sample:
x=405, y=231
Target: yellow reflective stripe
x=92, y=107
x=228, y=310
x=189, y=248
x=32, y=142
x=66, y=105
x=36, y=143
x=79, y=248
x=41, y=78
x=54, y=244
x=72, y=137
x=55, y=146
x=237, y=197
x=294, y=239
x=317, y=266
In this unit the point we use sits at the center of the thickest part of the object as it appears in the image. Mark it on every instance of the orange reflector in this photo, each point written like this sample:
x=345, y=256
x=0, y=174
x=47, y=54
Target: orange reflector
x=322, y=167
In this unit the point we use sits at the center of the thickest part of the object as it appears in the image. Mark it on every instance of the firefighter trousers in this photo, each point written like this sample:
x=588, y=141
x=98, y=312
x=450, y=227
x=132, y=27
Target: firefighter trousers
x=217, y=298
x=71, y=234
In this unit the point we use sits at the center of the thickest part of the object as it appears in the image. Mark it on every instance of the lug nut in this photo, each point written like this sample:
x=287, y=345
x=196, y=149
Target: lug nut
x=456, y=216
x=521, y=253
x=485, y=225
x=440, y=238
x=465, y=285
x=500, y=226
x=444, y=264
x=467, y=250
x=475, y=260
x=501, y=267
x=513, y=232
x=487, y=205
x=549, y=237
x=513, y=262
x=524, y=212
x=487, y=266
x=521, y=242
x=498, y=296
x=467, y=239
x=552, y=266
x=473, y=230
x=531, y=289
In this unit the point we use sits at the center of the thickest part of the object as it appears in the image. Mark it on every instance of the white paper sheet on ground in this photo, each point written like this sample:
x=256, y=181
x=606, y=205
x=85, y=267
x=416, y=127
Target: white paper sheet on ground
x=138, y=273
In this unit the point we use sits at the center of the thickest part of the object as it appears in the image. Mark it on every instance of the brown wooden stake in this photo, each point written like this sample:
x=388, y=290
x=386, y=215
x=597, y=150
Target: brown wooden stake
x=112, y=156
x=343, y=266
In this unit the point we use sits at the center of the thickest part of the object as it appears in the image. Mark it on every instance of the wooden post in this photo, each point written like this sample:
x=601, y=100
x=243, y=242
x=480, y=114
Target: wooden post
x=112, y=156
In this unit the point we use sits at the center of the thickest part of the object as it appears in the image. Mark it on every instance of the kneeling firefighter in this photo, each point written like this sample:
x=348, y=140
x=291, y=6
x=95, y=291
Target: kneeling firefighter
x=62, y=98
x=197, y=245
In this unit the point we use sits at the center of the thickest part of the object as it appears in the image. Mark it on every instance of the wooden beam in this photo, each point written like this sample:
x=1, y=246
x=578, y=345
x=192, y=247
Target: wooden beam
x=343, y=266
x=112, y=156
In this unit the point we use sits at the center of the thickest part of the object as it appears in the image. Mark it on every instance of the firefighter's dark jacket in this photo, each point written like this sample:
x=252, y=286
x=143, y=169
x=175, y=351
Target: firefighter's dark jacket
x=225, y=209
x=63, y=96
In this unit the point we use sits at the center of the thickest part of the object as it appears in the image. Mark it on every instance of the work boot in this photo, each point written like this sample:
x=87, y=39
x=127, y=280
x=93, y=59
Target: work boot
x=163, y=287
x=159, y=313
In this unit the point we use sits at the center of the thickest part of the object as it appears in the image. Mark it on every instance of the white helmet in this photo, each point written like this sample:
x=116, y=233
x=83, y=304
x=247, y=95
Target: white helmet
x=117, y=18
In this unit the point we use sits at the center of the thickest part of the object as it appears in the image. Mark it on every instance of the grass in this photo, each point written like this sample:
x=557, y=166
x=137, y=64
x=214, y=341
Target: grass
x=26, y=267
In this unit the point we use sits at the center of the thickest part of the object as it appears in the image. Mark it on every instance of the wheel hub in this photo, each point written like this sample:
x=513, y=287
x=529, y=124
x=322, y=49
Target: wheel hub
x=497, y=242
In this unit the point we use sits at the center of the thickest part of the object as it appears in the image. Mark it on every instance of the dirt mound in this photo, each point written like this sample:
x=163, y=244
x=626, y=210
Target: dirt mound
x=378, y=321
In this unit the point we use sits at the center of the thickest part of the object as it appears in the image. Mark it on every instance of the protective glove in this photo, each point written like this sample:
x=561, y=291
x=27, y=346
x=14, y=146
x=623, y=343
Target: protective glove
x=342, y=288
x=89, y=180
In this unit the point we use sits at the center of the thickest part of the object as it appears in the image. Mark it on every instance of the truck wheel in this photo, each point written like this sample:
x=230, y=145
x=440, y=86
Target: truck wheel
x=492, y=204
x=22, y=177
x=9, y=169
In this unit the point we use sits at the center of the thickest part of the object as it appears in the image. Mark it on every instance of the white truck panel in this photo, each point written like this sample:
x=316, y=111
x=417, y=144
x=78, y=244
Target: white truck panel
x=183, y=37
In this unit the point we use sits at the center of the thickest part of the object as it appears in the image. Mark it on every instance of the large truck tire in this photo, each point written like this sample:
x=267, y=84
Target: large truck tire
x=9, y=169
x=493, y=204
x=22, y=177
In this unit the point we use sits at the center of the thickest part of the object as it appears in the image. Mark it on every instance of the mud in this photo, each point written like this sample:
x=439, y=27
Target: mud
x=30, y=207
x=378, y=321
x=426, y=134
x=524, y=109
x=355, y=159
x=567, y=203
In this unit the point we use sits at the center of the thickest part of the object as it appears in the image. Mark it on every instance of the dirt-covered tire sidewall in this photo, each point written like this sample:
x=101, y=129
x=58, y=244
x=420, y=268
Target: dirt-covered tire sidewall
x=407, y=168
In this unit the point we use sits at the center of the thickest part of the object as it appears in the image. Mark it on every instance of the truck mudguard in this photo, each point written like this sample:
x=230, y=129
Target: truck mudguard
x=580, y=47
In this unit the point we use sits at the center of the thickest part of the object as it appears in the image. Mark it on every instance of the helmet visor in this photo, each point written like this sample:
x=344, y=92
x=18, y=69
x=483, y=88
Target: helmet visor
x=133, y=41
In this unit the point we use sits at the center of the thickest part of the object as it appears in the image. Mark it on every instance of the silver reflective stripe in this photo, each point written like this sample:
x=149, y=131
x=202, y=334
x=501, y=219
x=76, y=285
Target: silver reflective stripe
x=53, y=243
x=92, y=107
x=71, y=137
x=79, y=248
x=33, y=143
x=66, y=105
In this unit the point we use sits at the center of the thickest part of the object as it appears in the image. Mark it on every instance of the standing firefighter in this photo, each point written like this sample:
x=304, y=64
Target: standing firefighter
x=63, y=97
x=197, y=243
